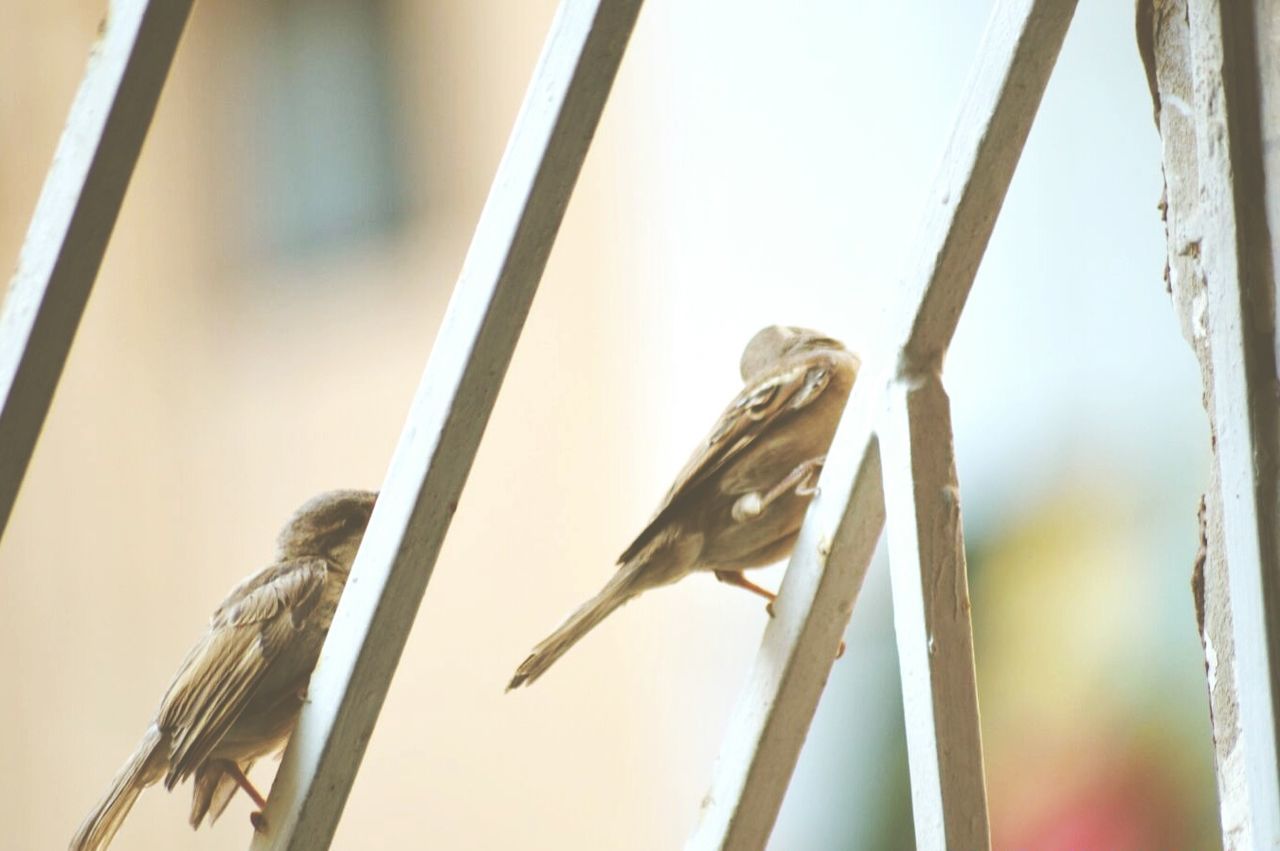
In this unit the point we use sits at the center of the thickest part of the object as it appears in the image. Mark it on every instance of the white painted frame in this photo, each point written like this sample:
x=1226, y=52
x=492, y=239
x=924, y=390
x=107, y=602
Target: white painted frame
x=894, y=451
x=504, y=264
x=74, y=218
x=892, y=461
x=1237, y=260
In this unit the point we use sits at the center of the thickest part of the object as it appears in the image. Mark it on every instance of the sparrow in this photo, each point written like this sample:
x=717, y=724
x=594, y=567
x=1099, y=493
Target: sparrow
x=237, y=695
x=740, y=500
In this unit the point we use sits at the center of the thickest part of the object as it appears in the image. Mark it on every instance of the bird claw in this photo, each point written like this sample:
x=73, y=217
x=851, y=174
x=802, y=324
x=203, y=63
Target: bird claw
x=258, y=820
x=808, y=484
x=768, y=607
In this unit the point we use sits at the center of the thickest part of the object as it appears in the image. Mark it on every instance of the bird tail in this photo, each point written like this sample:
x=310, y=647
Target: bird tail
x=143, y=768
x=621, y=588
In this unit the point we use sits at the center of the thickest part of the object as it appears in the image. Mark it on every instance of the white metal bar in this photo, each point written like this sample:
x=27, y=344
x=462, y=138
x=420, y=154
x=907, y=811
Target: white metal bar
x=1240, y=281
x=769, y=724
x=499, y=276
x=1012, y=68
x=931, y=618
x=74, y=217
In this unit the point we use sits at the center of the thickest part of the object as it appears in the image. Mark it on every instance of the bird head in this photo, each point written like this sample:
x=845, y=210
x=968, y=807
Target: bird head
x=776, y=342
x=329, y=526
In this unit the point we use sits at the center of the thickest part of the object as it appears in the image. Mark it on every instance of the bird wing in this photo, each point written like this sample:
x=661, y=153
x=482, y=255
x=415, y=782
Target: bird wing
x=245, y=634
x=754, y=412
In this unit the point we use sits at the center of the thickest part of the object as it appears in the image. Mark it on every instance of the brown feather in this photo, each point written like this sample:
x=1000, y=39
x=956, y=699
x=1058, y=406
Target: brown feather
x=740, y=500
x=244, y=638
x=237, y=694
x=754, y=412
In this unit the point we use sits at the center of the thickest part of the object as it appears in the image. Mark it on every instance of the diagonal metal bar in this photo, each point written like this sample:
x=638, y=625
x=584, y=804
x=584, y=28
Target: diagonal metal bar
x=769, y=724
x=773, y=714
x=931, y=618
x=1016, y=58
x=74, y=218
x=1237, y=257
x=501, y=272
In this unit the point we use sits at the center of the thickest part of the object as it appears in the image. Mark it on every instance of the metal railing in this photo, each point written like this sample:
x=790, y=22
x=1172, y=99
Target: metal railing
x=892, y=462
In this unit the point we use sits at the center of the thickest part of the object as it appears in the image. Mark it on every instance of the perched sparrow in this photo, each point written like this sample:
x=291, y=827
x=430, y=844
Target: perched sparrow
x=740, y=500
x=238, y=693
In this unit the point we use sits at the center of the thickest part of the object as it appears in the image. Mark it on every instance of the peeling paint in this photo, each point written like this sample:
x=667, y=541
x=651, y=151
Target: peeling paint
x=1199, y=307
x=1170, y=99
x=824, y=549
x=1236, y=829
x=1211, y=662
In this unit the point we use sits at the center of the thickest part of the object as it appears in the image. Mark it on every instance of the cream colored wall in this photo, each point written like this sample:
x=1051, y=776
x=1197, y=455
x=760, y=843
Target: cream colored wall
x=202, y=402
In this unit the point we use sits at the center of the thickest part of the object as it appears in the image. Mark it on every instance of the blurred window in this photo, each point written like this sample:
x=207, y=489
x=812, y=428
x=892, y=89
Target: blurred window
x=314, y=126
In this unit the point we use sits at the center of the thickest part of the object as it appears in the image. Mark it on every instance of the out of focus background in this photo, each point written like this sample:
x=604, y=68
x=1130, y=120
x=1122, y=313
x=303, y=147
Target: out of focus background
x=274, y=285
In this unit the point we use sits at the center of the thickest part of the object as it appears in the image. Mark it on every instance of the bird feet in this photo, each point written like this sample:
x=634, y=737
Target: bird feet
x=735, y=577
x=256, y=818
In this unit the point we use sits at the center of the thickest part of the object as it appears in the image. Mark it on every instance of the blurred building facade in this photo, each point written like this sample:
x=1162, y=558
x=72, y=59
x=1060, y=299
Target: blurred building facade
x=271, y=292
